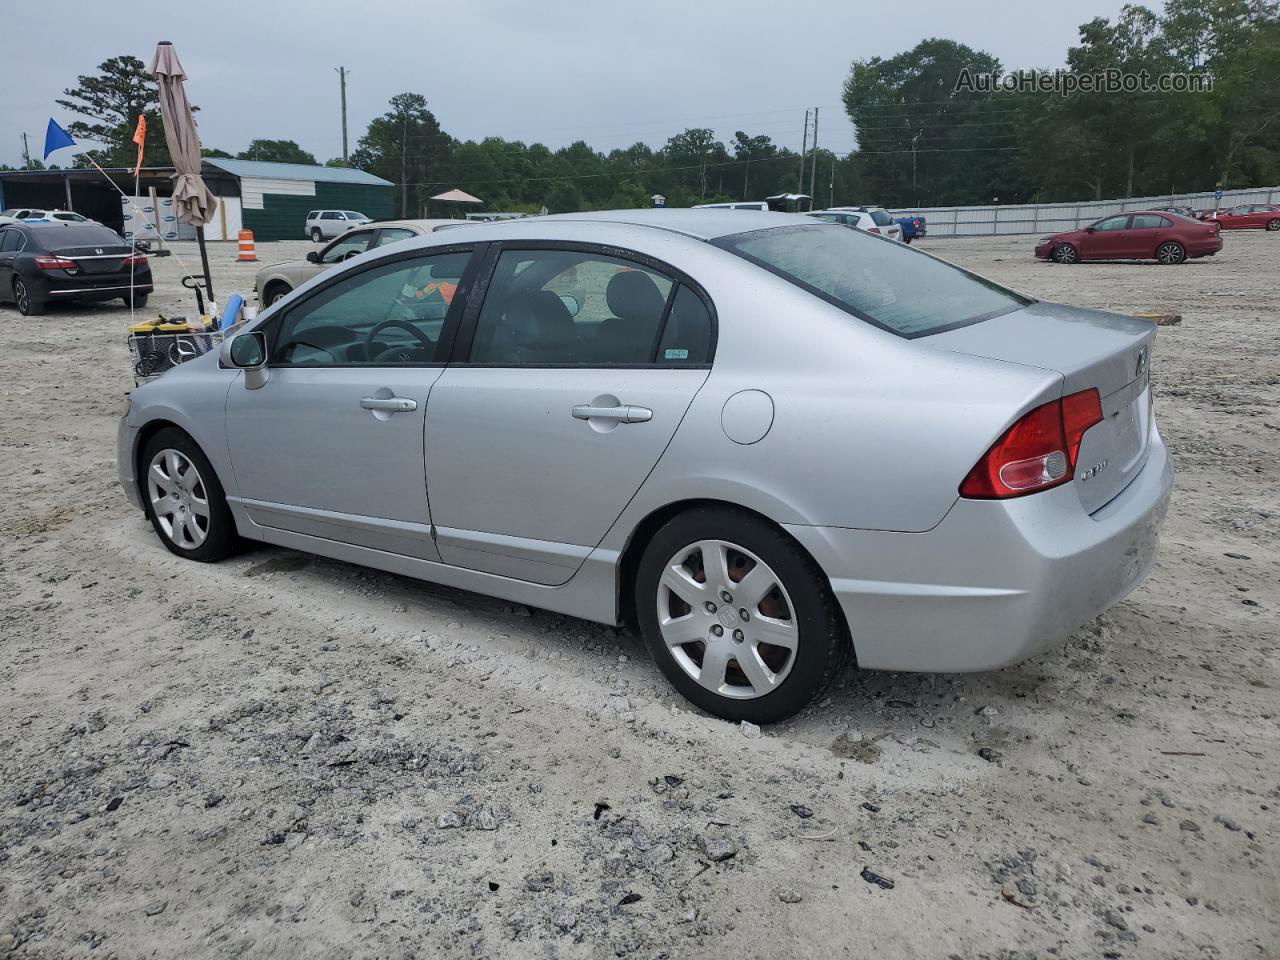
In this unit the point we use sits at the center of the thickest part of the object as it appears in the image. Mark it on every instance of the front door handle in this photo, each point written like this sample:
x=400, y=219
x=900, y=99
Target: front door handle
x=622, y=413
x=390, y=404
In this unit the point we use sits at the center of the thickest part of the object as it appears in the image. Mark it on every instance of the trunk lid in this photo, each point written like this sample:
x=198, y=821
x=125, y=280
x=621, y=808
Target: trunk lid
x=108, y=258
x=1090, y=349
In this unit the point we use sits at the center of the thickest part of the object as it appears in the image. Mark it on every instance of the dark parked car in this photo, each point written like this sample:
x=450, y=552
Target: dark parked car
x=913, y=227
x=41, y=263
x=1139, y=235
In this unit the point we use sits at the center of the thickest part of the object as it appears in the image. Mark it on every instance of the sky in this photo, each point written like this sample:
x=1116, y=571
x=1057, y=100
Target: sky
x=551, y=71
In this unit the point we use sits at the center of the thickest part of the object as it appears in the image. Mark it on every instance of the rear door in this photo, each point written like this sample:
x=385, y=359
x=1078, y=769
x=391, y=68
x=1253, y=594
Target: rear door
x=331, y=445
x=11, y=242
x=570, y=381
x=1146, y=232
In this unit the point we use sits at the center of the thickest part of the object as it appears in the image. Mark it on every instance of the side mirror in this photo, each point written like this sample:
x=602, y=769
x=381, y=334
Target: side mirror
x=571, y=304
x=1090, y=229
x=248, y=352
x=313, y=256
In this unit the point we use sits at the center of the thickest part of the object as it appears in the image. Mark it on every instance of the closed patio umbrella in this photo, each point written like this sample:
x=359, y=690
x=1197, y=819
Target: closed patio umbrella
x=191, y=197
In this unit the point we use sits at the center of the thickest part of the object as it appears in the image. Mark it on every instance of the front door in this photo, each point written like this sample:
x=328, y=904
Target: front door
x=1109, y=240
x=331, y=445
x=569, y=384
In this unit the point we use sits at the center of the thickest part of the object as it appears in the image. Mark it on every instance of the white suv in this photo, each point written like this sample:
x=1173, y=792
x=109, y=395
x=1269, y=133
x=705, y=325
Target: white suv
x=20, y=214
x=327, y=224
x=870, y=219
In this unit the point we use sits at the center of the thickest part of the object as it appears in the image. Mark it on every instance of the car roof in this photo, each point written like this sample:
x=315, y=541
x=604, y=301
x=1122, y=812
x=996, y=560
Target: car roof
x=703, y=224
x=427, y=225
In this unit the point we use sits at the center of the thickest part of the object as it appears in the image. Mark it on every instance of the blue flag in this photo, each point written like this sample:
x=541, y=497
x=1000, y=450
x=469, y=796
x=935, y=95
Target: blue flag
x=55, y=138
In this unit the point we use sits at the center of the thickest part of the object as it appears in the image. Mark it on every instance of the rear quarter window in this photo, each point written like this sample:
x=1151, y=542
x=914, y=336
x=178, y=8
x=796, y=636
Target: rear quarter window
x=883, y=282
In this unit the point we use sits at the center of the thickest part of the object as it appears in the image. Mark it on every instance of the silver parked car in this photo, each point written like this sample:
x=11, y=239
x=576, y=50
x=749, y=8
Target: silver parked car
x=277, y=280
x=771, y=442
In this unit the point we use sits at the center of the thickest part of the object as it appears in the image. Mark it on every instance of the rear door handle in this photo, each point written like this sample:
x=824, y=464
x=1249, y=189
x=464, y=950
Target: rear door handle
x=392, y=404
x=623, y=413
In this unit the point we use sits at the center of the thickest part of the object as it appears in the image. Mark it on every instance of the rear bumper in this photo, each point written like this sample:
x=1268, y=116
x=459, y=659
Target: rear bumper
x=996, y=581
x=91, y=287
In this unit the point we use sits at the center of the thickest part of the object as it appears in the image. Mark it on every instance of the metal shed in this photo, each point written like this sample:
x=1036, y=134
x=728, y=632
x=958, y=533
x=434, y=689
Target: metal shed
x=274, y=198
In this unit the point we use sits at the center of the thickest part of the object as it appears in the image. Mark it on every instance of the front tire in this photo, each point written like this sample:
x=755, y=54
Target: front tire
x=316, y=235
x=1170, y=253
x=1065, y=253
x=737, y=616
x=276, y=292
x=25, y=301
x=184, y=499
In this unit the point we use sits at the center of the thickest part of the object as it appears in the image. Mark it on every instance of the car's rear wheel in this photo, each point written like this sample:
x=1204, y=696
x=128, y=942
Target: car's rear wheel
x=1065, y=253
x=316, y=235
x=1170, y=253
x=139, y=300
x=276, y=292
x=184, y=500
x=24, y=300
x=1273, y=225
x=737, y=616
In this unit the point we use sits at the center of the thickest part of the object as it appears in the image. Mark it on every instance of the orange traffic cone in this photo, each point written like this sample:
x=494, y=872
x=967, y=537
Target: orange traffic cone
x=248, y=253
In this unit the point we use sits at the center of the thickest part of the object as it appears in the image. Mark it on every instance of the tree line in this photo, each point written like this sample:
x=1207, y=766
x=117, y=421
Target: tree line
x=923, y=137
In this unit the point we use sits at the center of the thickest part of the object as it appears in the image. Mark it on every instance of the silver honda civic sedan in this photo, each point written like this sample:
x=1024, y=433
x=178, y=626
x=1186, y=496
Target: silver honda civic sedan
x=771, y=443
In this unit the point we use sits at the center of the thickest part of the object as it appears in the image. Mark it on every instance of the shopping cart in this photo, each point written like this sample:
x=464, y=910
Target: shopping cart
x=157, y=346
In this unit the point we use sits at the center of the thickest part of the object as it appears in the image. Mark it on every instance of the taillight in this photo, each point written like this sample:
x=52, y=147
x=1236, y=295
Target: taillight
x=55, y=263
x=1036, y=453
x=137, y=260
x=873, y=229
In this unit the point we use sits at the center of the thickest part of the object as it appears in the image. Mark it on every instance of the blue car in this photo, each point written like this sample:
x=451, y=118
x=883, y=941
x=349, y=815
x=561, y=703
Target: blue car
x=912, y=227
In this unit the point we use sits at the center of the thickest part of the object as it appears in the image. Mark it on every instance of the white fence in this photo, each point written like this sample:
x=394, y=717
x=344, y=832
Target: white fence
x=1047, y=218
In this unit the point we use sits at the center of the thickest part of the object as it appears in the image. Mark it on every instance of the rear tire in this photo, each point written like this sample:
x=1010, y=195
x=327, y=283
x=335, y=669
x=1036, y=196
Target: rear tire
x=1170, y=253
x=139, y=300
x=1273, y=225
x=27, y=305
x=786, y=598
x=316, y=235
x=184, y=499
x=1065, y=253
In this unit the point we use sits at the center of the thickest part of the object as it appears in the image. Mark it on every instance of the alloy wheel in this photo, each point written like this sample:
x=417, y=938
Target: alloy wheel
x=178, y=498
x=727, y=620
x=1273, y=225
x=1065, y=254
x=1170, y=253
x=21, y=296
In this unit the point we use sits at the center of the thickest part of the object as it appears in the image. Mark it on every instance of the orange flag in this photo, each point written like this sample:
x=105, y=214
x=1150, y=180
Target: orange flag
x=140, y=138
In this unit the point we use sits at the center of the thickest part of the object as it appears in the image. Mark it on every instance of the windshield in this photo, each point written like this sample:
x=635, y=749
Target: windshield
x=881, y=218
x=881, y=281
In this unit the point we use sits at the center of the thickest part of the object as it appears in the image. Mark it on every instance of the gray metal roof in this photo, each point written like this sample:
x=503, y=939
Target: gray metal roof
x=296, y=171
x=704, y=224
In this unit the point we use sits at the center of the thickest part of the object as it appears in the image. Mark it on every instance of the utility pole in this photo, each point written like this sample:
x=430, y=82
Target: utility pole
x=914, y=191
x=404, y=177
x=804, y=148
x=813, y=165
x=746, y=173
x=26, y=154
x=833, y=180
x=342, y=83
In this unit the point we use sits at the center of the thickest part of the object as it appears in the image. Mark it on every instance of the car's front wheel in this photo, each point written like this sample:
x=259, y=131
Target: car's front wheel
x=737, y=616
x=277, y=292
x=26, y=303
x=1065, y=253
x=1170, y=253
x=184, y=500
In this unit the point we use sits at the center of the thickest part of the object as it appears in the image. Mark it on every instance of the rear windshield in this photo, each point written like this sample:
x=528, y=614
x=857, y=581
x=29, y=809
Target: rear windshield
x=878, y=280
x=65, y=235
x=881, y=218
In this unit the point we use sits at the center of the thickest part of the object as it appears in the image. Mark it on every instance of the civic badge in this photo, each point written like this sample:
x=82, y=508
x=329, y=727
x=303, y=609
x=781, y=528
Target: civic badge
x=98, y=251
x=1141, y=364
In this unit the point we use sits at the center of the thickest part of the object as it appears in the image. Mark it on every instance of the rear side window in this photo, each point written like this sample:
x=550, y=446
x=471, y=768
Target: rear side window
x=1148, y=221
x=883, y=282
x=9, y=241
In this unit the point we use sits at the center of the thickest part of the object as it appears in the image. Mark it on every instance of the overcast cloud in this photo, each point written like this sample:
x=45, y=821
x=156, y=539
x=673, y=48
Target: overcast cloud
x=554, y=72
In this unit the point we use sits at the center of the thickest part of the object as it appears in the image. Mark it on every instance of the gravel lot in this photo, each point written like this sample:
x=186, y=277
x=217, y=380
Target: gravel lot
x=284, y=756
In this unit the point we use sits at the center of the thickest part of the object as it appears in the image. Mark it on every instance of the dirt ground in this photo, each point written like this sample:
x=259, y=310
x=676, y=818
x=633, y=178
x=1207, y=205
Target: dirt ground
x=284, y=756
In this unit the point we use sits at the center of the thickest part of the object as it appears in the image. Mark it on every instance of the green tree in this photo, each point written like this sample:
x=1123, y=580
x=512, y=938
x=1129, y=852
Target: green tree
x=216, y=153
x=406, y=146
x=111, y=102
x=276, y=151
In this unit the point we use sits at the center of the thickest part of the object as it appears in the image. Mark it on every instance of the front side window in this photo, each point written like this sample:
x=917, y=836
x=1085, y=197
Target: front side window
x=1111, y=223
x=354, y=215
x=347, y=246
x=390, y=314
x=885, y=283
x=1149, y=221
x=577, y=308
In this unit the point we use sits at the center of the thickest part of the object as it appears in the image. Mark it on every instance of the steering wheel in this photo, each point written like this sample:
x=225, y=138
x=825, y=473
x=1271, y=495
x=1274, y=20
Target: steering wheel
x=426, y=342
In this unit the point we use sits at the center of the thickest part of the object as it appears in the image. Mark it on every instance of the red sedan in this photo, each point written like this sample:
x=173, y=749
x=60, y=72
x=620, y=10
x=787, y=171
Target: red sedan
x=1138, y=235
x=1249, y=216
